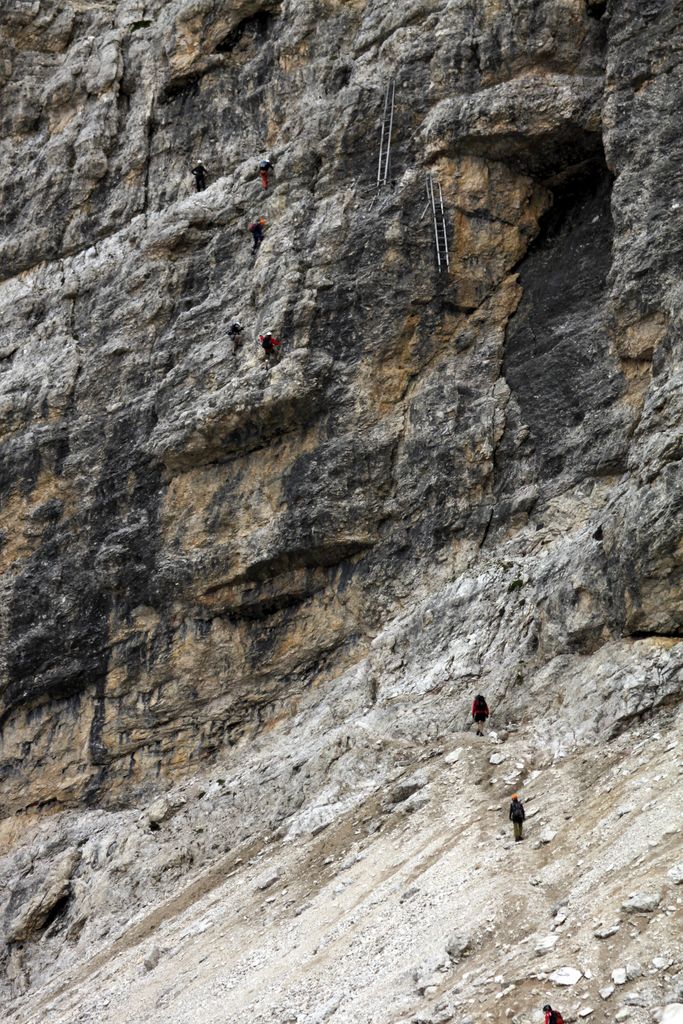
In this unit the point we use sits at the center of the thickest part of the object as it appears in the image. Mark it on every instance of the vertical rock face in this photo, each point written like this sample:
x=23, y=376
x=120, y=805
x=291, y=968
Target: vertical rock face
x=455, y=480
x=192, y=540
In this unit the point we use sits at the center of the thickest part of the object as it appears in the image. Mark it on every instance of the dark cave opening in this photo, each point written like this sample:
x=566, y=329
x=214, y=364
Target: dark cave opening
x=57, y=911
x=577, y=186
x=340, y=77
x=596, y=9
x=558, y=361
x=180, y=89
x=254, y=27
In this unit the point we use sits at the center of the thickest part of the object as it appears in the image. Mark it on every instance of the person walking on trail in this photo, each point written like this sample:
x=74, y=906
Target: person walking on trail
x=552, y=1016
x=480, y=712
x=256, y=230
x=517, y=816
x=270, y=346
x=199, y=173
x=234, y=332
x=263, y=168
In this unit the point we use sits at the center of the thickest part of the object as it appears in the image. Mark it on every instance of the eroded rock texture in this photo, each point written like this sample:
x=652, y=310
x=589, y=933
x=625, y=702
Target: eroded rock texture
x=479, y=468
x=189, y=538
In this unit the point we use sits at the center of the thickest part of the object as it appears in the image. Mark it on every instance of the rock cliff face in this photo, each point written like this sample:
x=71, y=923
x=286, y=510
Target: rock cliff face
x=452, y=480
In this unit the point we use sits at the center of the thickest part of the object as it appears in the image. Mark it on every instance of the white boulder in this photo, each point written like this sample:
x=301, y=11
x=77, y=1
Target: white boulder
x=565, y=976
x=641, y=903
x=672, y=1014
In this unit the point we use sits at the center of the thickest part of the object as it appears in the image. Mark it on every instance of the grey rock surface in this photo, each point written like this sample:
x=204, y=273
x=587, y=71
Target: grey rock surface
x=36, y=907
x=173, y=507
x=243, y=604
x=266, y=880
x=565, y=976
x=545, y=944
x=675, y=874
x=459, y=945
x=642, y=903
x=606, y=933
x=407, y=787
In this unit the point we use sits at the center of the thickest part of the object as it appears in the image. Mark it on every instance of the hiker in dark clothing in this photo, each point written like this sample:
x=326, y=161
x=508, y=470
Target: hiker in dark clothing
x=552, y=1016
x=234, y=332
x=517, y=816
x=480, y=712
x=256, y=230
x=270, y=346
x=199, y=173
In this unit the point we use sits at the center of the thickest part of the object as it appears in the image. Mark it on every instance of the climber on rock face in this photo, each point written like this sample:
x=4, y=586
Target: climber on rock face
x=234, y=332
x=264, y=167
x=270, y=346
x=256, y=230
x=480, y=712
x=199, y=172
x=517, y=816
x=552, y=1016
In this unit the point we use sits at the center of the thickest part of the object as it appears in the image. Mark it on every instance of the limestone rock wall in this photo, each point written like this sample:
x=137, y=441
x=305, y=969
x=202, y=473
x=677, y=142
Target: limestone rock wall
x=295, y=577
x=484, y=462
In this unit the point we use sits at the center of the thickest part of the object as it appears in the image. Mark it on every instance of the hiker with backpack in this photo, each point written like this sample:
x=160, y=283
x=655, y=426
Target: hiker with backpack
x=263, y=168
x=552, y=1016
x=480, y=712
x=256, y=230
x=270, y=346
x=517, y=816
x=234, y=332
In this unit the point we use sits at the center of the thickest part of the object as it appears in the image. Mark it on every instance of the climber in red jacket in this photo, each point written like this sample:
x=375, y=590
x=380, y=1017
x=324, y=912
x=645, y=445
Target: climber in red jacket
x=480, y=712
x=552, y=1016
x=270, y=346
x=263, y=168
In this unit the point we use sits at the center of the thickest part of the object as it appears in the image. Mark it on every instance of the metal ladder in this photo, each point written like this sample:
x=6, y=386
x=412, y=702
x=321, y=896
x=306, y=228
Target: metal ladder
x=435, y=200
x=384, y=162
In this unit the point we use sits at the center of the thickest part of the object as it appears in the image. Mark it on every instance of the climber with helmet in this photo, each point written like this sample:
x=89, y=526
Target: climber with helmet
x=480, y=712
x=256, y=230
x=552, y=1016
x=199, y=172
x=270, y=346
x=517, y=816
x=263, y=167
x=234, y=332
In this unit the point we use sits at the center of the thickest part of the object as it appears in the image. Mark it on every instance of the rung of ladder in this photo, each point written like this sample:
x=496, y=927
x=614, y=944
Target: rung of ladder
x=435, y=200
x=383, y=163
